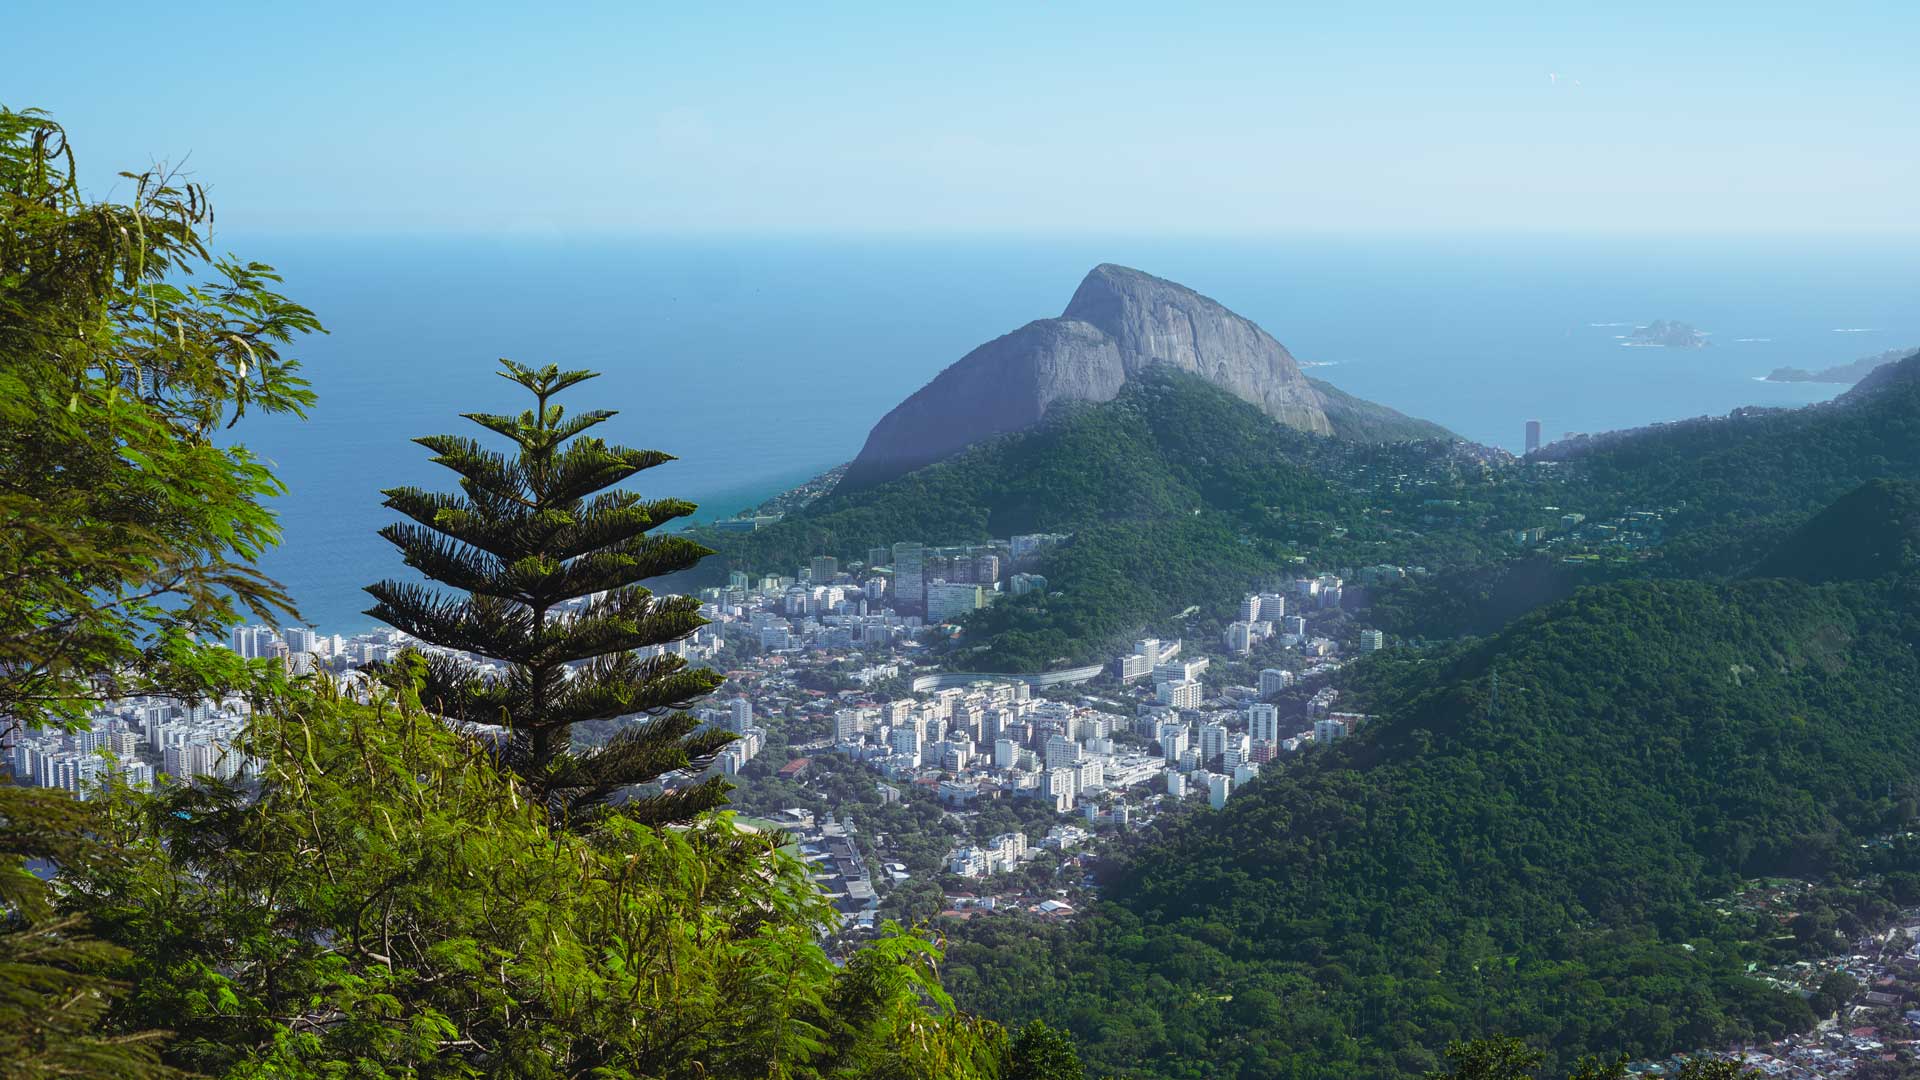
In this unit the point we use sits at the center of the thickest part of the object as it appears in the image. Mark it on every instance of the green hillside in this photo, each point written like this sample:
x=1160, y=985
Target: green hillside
x=1870, y=532
x=1176, y=493
x=1170, y=444
x=1732, y=491
x=1743, y=482
x=1539, y=867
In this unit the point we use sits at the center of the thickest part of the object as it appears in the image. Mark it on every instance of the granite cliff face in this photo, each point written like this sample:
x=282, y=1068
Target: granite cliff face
x=1119, y=323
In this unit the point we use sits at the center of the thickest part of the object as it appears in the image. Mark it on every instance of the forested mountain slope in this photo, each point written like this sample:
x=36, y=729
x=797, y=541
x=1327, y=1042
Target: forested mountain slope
x=1536, y=864
x=1169, y=444
x=1743, y=481
x=1175, y=493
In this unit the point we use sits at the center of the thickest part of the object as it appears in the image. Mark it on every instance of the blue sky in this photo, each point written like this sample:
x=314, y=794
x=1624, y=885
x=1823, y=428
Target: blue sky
x=1145, y=119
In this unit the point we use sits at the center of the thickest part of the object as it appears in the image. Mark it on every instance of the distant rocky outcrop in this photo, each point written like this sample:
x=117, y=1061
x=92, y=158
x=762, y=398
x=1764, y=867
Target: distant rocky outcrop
x=1842, y=373
x=1119, y=323
x=1668, y=334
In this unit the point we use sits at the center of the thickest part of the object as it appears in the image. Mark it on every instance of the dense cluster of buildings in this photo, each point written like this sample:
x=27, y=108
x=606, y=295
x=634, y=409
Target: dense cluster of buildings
x=995, y=739
x=970, y=740
x=749, y=739
x=1264, y=617
x=895, y=591
x=135, y=740
x=131, y=741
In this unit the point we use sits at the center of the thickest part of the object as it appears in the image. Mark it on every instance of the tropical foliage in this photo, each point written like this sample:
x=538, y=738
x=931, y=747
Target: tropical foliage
x=387, y=895
x=334, y=922
x=126, y=346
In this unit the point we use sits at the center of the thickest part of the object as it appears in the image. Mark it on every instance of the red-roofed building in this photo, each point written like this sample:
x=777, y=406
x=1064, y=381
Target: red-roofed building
x=794, y=768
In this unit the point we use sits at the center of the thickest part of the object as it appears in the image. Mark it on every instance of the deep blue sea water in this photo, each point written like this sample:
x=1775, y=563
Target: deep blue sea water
x=761, y=362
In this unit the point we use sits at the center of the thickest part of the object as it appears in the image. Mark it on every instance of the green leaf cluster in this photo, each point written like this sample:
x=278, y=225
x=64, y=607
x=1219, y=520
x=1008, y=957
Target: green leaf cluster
x=388, y=903
x=126, y=346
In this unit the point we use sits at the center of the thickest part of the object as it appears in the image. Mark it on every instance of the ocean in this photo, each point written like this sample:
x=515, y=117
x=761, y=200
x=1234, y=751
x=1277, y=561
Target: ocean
x=760, y=362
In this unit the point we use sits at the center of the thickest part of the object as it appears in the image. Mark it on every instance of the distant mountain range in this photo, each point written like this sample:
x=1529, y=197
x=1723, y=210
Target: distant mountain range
x=1120, y=323
x=1842, y=373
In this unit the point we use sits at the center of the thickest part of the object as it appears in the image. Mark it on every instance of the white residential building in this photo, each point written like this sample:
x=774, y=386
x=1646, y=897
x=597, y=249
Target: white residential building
x=1274, y=680
x=1173, y=741
x=1263, y=722
x=1218, y=788
x=1180, y=694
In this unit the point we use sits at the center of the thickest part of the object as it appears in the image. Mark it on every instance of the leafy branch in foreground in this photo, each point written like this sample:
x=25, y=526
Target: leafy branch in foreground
x=55, y=990
x=332, y=926
x=124, y=530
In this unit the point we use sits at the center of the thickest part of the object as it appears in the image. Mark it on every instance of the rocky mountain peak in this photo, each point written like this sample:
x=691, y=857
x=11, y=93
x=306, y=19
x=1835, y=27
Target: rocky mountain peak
x=1119, y=322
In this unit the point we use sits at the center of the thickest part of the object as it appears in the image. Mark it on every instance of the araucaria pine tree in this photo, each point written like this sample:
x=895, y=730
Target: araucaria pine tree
x=550, y=561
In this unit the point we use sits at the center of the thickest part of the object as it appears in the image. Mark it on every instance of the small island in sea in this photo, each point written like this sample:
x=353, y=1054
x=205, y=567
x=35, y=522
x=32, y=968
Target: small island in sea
x=1667, y=334
x=1842, y=373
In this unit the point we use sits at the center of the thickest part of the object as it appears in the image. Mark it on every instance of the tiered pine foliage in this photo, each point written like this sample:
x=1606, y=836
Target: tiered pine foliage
x=550, y=560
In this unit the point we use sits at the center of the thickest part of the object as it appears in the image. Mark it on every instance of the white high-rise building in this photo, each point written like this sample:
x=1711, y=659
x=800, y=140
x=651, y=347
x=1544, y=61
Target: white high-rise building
x=1239, y=637
x=950, y=600
x=1213, y=740
x=1263, y=722
x=1180, y=693
x=1092, y=773
x=740, y=715
x=1274, y=680
x=1219, y=786
x=1006, y=753
x=253, y=642
x=850, y=724
x=1058, y=789
x=1060, y=751
x=907, y=742
x=1173, y=740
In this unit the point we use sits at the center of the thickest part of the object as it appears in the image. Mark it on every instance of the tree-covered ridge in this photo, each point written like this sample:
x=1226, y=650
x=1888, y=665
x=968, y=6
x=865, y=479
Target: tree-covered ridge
x=1148, y=454
x=1533, y=864
x=1870, y=532
x=1744, y=481
x=1175, y=493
